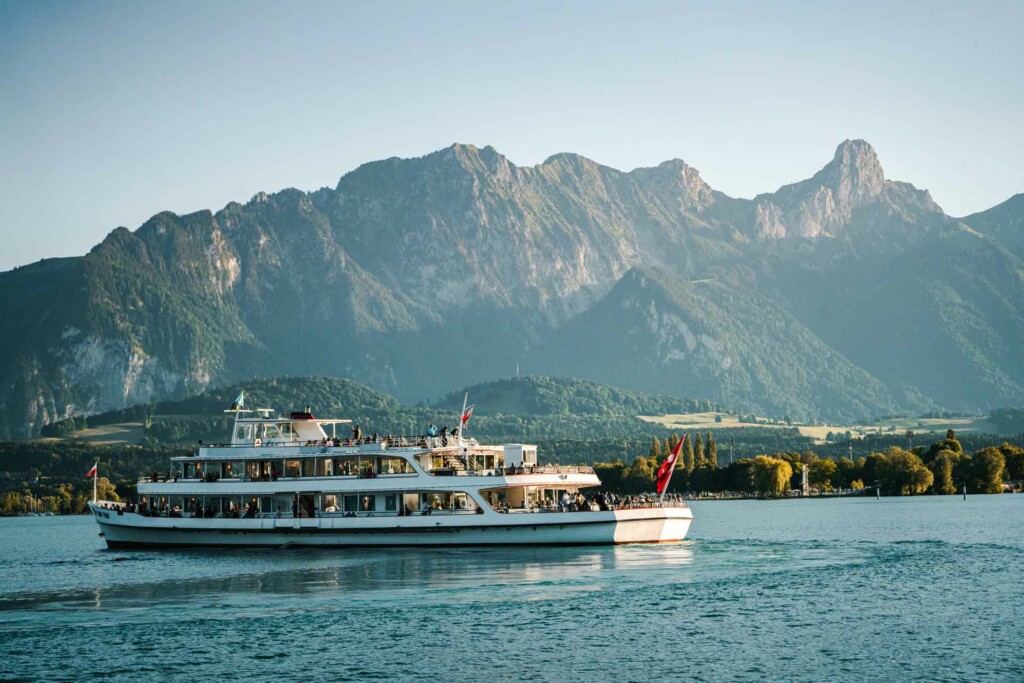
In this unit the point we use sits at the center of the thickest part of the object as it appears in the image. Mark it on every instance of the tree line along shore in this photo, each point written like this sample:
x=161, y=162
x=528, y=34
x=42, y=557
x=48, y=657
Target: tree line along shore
x=941, y=468
x=44, y=477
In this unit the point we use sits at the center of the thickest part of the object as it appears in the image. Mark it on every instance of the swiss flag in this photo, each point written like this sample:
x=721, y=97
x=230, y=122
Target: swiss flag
x=92, y=472
x=665, y=471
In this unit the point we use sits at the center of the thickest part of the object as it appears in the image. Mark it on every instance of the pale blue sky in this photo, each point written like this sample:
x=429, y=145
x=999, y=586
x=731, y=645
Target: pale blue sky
x=111, y=112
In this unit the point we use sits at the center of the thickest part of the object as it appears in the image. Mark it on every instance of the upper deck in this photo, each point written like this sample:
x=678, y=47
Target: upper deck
x=268, y=453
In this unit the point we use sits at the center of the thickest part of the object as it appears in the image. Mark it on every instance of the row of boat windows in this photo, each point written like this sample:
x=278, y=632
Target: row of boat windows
x=269, y=470
x=309, y=505
x=358, y=503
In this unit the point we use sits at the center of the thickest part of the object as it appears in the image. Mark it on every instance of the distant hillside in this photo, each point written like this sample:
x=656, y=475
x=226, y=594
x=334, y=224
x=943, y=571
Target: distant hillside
x=535, y=395
x=533, y=408
x=326, y=396
x=202, y=417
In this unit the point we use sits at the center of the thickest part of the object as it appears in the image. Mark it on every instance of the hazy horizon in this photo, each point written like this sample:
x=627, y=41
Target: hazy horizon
x=114, y=112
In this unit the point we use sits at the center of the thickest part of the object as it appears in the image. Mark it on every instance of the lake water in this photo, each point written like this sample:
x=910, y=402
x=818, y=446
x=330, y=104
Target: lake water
x=927, y=589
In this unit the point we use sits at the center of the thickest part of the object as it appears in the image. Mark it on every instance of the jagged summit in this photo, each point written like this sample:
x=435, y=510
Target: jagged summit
x=824, y=205
x=854, y=172
x=675, y=178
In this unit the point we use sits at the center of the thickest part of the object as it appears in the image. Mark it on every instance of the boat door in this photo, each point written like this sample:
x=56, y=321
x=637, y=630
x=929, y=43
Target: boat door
x=307, y=512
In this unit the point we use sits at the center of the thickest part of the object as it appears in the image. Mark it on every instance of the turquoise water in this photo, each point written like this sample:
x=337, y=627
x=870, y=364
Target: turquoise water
x=846, y=590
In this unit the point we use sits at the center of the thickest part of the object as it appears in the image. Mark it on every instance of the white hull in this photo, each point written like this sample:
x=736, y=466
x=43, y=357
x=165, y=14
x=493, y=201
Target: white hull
x=641, y=525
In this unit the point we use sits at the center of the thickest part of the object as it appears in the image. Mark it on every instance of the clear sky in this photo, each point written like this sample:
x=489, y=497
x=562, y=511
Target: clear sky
x=113, y=111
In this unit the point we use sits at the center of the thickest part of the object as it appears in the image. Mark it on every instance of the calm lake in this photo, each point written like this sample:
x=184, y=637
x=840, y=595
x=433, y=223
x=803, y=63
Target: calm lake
x=928, y=588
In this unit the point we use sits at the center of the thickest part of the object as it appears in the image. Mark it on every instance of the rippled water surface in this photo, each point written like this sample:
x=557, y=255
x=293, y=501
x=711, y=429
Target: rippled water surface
x=847, y=590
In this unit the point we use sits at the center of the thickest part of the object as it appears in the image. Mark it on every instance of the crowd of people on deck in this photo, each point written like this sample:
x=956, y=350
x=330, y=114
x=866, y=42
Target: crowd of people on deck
x=599, y=501
x=357, y=439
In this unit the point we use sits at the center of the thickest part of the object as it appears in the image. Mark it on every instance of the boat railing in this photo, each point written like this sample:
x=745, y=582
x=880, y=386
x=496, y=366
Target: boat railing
x=594, y=507
x=511, y=471
x=184, y=514
x=211, y=479
x=382, y=442
x=156, y=478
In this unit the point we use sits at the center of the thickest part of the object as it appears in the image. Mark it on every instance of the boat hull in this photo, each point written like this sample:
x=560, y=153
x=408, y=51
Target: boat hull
x=642, y=525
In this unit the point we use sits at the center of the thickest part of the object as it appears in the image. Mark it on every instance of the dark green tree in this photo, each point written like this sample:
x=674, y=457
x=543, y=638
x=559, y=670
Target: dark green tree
x=655, y=451
x=987, y=467
x=1014, y=457
x=689, y=459
x=944, y=468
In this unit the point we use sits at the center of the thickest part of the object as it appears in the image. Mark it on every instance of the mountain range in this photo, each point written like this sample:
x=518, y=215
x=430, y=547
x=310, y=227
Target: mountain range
x=844, y=296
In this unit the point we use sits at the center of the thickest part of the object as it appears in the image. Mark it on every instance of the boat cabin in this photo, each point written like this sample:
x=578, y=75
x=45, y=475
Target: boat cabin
x=298, y=428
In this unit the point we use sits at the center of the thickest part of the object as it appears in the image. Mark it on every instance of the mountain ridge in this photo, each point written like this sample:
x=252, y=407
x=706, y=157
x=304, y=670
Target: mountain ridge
x=420, y=275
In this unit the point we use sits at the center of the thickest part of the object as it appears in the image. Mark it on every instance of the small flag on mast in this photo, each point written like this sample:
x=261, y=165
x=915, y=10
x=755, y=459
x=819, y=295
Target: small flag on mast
x=466, y=414
x=239, y=402
x=92, y=472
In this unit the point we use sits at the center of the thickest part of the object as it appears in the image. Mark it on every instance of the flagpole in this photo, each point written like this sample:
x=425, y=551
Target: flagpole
x=462, y=425
x=95, y=477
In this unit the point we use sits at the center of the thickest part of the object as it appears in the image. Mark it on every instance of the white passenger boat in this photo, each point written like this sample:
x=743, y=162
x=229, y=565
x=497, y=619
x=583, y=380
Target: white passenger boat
x=293, y=481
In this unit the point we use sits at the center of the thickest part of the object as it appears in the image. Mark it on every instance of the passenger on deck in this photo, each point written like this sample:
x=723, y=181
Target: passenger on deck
x=565, y=501
x=431, y=430
x=357, y=433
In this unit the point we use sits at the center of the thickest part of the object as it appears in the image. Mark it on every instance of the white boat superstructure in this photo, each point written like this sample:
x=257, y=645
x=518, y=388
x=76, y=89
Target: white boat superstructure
x=293, y=481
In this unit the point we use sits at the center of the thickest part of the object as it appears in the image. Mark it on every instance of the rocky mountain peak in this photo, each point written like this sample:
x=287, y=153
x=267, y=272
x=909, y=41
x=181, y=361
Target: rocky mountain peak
x=678, y=180
x=824, y=204
x=854, y=172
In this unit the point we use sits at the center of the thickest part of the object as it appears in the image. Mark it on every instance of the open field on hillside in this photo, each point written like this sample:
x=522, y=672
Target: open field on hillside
x=706, y=421
x=106, y=435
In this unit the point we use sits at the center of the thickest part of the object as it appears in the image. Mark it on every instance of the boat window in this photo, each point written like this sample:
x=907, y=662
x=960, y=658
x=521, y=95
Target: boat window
x=391, y=502
x=286, y=430
x=351, y=503
x=272, y=432
x=308, y=467
x=225, y=472
x=292, y=468
x=368, y=503
x=394, y=466
x=243, y=433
